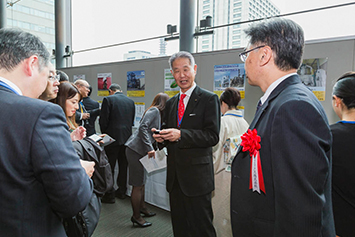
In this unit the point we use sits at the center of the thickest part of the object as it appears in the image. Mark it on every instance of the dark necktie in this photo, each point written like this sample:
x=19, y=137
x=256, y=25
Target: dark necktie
x=181, y=109
x=259, y=106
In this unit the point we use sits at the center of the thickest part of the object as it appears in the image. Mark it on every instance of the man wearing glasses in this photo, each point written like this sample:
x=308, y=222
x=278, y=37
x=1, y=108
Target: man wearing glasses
x=52, y=86
x=82, y=116
x=41, y=177
x=284, y=190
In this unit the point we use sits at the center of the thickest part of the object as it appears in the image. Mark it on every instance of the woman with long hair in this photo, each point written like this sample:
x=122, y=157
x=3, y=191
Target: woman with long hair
x=138, y=145
x=232, y=126
x=68, y=98
x=343, y=162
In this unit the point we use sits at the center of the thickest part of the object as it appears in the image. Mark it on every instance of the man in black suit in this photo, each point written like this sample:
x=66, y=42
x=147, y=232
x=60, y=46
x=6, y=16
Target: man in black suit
x=286, y=190
x=82, y=115
x=40, y=172
x=94, y=109
x=189, y=140
x=116, y=120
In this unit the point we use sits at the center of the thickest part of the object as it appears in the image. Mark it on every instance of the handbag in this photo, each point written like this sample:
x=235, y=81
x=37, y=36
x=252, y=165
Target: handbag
x=84, y=223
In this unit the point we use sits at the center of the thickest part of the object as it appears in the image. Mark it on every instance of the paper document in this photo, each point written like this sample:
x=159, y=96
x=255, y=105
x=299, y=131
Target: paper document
x=151, y=164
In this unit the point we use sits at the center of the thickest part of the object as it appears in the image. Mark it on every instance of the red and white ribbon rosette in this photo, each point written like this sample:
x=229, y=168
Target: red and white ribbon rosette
x=251, y=143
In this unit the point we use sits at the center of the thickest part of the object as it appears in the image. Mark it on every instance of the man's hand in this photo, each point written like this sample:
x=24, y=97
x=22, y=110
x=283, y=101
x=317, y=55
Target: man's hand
x=78, y=134
x=86, y=116
x=170, y=134
x=88, y=166
x=157, y=137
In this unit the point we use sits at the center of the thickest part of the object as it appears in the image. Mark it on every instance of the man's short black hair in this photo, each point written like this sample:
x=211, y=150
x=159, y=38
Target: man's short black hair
x=17, y=45
x=115, y=87
x=63, y=77
x=284, y=37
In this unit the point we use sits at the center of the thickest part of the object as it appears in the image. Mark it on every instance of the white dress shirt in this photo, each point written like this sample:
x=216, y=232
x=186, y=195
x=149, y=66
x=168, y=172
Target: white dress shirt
x=12, y=85
x=188, y=94
x=272, y=87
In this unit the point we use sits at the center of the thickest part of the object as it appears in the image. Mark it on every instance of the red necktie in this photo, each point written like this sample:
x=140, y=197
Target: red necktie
x=181, y=109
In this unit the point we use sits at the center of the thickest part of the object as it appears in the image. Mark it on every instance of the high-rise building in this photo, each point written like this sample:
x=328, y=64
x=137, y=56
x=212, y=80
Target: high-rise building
x=137, y=54
x=227, y=12
x=162, y=47
x=34, y=16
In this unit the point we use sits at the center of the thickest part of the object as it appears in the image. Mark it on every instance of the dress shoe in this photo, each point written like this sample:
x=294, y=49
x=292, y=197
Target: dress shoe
x=147, y=213
x=120, y=195
x=108, y=198
x=145, y=224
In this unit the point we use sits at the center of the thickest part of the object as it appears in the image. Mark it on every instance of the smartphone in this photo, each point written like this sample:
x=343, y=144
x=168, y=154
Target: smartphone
x=157, y=131
x=95, y=137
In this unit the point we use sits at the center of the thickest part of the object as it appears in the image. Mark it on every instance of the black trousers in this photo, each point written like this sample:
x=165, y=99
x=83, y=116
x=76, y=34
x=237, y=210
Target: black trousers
x=118, y=153
x=191, y=216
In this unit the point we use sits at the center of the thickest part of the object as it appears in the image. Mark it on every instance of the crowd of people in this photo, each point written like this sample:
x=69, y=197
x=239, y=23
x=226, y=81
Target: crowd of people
x=288, y=173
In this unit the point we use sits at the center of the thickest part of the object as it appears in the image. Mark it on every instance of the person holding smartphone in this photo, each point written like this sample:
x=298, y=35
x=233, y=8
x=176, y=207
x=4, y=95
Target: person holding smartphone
x=139, y=145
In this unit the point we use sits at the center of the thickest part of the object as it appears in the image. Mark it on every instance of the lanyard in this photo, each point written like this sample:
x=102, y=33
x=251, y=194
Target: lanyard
x=343, y=121
x=236, y=115
x=8, y=87
x=81, y=107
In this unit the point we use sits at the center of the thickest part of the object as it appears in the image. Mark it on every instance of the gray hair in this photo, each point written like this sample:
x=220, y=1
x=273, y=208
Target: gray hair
x=181, y=54
x=115, y=87
x=17, y=45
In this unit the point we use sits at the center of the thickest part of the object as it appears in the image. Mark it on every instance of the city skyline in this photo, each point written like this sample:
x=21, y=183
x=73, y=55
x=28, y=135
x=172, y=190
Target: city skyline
x=113, y=24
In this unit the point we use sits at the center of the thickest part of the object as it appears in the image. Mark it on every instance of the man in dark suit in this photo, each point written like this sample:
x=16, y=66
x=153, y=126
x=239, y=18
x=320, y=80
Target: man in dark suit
x=116, y=120
x=189, y=139
x=41, y=176
x=82, y=115
x=290, y=194
x=94, y=109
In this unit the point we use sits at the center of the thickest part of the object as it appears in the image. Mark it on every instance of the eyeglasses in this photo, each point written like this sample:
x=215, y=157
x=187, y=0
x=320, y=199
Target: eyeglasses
x=87, y=87
x=243, y=55
x=53, y=78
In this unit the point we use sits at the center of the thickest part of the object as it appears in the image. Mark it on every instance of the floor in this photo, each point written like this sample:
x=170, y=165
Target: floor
x=115, y=220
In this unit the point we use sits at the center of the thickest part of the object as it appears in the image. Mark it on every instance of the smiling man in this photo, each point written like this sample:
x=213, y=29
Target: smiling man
x=191, y=124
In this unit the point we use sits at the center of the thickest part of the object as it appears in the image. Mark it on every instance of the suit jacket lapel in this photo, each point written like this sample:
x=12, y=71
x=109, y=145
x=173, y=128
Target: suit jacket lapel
x=288, y=81
x=195, y=96
x=291, y=80
x=174, y=109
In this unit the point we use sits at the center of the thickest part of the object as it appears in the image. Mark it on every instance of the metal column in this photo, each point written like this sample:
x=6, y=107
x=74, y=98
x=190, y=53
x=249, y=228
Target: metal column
x=3, y=17
x=187, y=25
x=59, y=10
